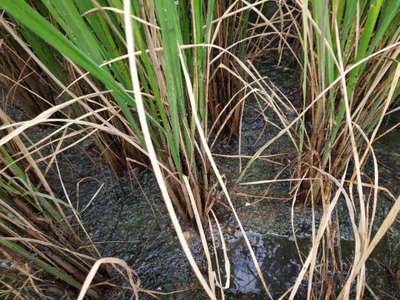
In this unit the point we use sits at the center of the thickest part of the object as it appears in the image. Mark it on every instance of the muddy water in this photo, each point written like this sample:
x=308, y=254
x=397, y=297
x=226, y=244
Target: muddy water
x=277, y=257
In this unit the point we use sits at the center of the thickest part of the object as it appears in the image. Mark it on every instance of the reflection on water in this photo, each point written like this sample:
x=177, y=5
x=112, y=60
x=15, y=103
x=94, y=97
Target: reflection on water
x=245, y=278
x=277, y=257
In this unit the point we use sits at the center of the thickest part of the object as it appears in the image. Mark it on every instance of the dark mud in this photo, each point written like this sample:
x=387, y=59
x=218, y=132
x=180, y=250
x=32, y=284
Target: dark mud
x=127, y=218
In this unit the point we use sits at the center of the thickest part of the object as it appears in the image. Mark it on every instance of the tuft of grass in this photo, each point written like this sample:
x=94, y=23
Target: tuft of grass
x=89, y=37
x=22, y=79
x=154, y=78
x=138, y=73
x=338, y=35
x=39, y=246
x=351, y=52
x=350, y=83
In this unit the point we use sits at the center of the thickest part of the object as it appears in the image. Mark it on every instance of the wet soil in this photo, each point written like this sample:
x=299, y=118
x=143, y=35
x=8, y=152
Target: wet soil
x=126, y=218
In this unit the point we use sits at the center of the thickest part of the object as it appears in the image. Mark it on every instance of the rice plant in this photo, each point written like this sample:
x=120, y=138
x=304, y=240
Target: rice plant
x=338, y=35
x=350, y=84
x=40, y=245
x=19, y=77
x=156, y=79
x=89, y=34
x=140, y=73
